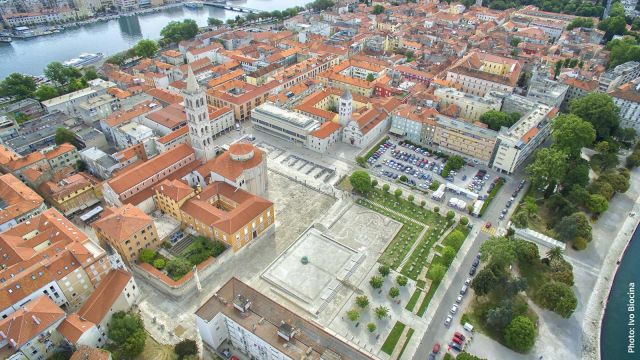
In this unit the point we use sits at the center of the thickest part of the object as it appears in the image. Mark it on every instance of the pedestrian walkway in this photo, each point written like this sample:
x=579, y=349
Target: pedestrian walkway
x=413, y=247
x=491, y=231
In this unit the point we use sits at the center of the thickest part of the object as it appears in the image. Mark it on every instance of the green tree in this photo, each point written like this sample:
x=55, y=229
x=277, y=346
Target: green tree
x=598, y=109
x=159, y=263
x=557, y=297
x=455, y=238
x=613, y=26
x=397, y=193
x=371, y=327
x=520, y=335
x=176, y=31
x=385, y=188
x=618, y=181
x=45, y=92
x=126, y=331
x=436, y=209
x=376, y=282
x=622, y=51
x=64, y=135
x=549, y=166
x=360, y=181
x=394, y=292
x=18, y=86
x=214, y=22
x=370, y=77
x=384, y=270
x=450, y=215
x=410, y=198
x=448, y=254
x=147, y=255
x=527, y=252
x=378, y=9
x=60, y=74
x=353, y=315
x=319, y=5
x=90, y=74
x=496, y=119
x=464, y=221
x=81, y=165
x=374, y=183
x=520, y=220
x=580, y=22
x=577, y=174
x=146, y=48
x=570, y=134
x=597, y=204
x=186, y=347
x=381, y=312
x=616, y=10
x=484, y=282
x=602, y=188
x=436, y=272
x=499, y=251
x=178, y=267
x=555, y=253
x=403, y=178
x=362, y=301
x=402, y=280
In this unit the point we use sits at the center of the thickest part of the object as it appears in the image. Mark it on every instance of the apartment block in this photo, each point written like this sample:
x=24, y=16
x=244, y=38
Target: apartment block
x=48, y=256
x=127, y=230
x=471, y=107
x=218, y=211
x=263, y=329
x=18, y=202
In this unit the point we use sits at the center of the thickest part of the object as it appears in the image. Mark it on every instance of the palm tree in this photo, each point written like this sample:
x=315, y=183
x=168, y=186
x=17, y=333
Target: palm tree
x=381, y=312
x=555, y=253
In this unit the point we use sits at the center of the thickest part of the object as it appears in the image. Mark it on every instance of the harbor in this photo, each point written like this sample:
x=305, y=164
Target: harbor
x=31, y=55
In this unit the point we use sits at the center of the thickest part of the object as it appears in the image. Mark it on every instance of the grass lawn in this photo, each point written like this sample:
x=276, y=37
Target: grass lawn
x=392, y=339
x=156, y=351
x=490, y=197
x=413, y=300
x=409, y=334
x=427, y=299
x=402, y=242
x=418, y=259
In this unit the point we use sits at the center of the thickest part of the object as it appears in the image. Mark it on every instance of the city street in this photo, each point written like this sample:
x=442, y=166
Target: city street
x=449, y=289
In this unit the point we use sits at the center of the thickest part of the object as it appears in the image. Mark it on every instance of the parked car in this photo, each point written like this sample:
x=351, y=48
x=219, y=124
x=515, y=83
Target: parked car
x=467, y=282
x=436, y=348
x=455, y=346
x=459, y=299
x=454, y=309
x=447, y=321
x=457, y=340
x=473, y=270
x=464, y=289
x=476, y=262
x=459, y=335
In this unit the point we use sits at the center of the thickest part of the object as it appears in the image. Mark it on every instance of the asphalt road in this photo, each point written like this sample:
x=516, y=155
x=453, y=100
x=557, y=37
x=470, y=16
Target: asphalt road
x=437, y=332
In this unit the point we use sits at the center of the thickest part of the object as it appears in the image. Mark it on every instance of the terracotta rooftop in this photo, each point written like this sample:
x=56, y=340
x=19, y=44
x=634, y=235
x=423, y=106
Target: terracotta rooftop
x=120, y=223
x=137, y=174
x=247, y=207
x=17, y=197
x=174, y=189
x=59, y=150
x=325, y=130
x=125, y=116
x=29, y=321
x=170, y=117
x=229, y=168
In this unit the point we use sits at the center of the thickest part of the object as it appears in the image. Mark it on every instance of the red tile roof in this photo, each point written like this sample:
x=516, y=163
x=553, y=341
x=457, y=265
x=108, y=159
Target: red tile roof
x=29, y=321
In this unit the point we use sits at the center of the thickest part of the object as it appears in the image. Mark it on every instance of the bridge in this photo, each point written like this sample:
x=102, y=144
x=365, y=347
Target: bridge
x=222, y=4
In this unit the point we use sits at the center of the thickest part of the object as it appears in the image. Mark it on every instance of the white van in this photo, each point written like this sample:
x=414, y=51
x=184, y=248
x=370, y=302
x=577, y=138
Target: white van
x=468, y=327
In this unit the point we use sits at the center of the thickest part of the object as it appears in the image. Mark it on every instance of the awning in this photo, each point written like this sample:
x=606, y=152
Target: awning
x=396, y=131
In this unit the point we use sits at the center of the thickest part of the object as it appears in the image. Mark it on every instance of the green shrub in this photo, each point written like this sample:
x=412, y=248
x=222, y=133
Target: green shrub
x=159, y=264
x=579, y=243
x=147, y=255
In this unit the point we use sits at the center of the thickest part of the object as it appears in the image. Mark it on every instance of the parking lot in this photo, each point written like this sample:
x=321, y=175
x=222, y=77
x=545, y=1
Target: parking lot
x=395, y=161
